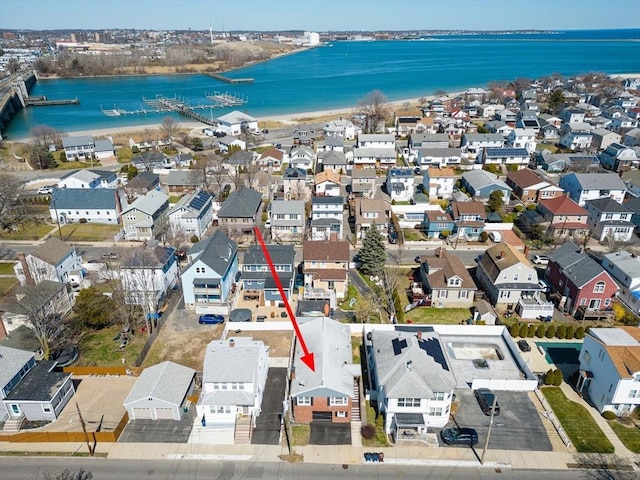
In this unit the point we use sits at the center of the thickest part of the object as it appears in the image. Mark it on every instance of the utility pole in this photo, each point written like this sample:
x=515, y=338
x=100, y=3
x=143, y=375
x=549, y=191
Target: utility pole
x=486, y=442
x=84, y=429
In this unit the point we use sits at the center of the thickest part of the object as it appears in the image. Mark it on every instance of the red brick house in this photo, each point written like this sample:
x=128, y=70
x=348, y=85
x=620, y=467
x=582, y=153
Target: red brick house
x=329, y=393
x=585, y=288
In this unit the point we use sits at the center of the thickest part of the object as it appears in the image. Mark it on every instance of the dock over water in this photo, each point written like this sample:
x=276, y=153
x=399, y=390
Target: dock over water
x=222, y=78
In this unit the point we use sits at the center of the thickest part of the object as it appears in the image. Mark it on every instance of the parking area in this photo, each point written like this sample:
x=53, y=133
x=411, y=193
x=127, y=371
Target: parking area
x=328, y=433
x=267, y=431
x=159, y=431
x=518, y=427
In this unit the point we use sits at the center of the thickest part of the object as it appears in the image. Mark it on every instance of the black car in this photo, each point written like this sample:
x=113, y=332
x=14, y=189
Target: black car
x=459, y=436
x=393, y=237
x=524, y=346
x=485, y=399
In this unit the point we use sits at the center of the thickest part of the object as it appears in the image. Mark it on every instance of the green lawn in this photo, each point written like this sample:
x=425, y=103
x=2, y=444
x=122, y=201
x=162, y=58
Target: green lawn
x=380, y=438
x=89, y=232
x=629, y=435
x=77, y=165
x=29, y=231
x=581, y=428
x=413, y=235
x=300, y=435
x=6, y=284
x=99, y=348
x=7, y=268
x=437, y=316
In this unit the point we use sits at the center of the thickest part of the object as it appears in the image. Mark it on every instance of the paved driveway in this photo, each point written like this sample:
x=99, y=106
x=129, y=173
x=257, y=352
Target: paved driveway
x=327, y=433
x=267, y=431
x=518, y=427
x=159, y=431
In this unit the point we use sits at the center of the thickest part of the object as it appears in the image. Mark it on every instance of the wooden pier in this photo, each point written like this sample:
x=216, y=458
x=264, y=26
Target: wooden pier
x=224, y=79
x=43, y=102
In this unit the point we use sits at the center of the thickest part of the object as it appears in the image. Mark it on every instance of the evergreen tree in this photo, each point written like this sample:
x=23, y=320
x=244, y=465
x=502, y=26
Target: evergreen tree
x=372, y=256
x=496, y=200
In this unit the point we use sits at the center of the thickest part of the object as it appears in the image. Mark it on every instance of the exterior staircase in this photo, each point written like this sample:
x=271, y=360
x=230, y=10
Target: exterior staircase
x=13, y=425
x=242, y=434
x=355, y=402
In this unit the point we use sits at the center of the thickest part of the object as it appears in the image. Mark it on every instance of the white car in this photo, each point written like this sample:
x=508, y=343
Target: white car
x=45, y=190
x=540, y=259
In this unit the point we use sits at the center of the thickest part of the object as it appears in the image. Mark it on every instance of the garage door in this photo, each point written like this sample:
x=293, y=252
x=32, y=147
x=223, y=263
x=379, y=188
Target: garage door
x=142, y=413
x=322, y=416
x=164, y=413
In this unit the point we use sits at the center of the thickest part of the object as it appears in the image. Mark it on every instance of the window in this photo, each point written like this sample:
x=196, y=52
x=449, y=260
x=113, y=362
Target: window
x=516, y=277
x=46, y=409
x=634, y=393
x=435, y=411
x=599, y=287
x=583, y=301
x=586, y=357
x=529, y=277
x=303, y=401
x=463, y=294
x=333, y=401
x=408, y=402
x=439, y=396
x=442, y=294
x=341, y=414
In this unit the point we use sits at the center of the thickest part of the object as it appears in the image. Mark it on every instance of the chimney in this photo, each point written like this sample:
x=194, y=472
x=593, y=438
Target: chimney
x=25, y=268
x=409, y=365
x=419, y=335
x=232, y=343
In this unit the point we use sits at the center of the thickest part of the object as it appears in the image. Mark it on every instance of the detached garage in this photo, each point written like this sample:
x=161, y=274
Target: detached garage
x=160, y=393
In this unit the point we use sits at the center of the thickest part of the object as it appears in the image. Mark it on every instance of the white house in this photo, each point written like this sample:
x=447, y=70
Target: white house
x=146, y=216
x=374, y=157
x=438, y=157
x=192, y=214
x=518, y=157
x=412, y=380
x=327, y=218
x=287, y=220
x=233, y=123
x=79, y=147
x=100, y=205
x=327, y=184
x=160, y=392
x=376, y=140
x=400, y=184
x=341, y=128
x=89, y=179
x=53, y=260
x=473, y=142
x=522, y=138
x=610, y=369
x=590, y=186
x=609, y=219
x=233, y=381
x=625, y=269
x=439, y=182
x=301, y=156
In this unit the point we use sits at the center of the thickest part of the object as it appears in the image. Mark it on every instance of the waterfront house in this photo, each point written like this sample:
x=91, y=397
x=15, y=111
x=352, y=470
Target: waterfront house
x=445, y=281
x=590, y=186
x=370, y=211
x=609, y=220
x=193, y=214
x=529, y=187
x=234, y=123
x=160, y=392
x=327, y=184
x=145, y=218
x=73, y=205
x=329, y=392
x=54, y=260
x=240, y=211
x=412, y=381
x=80, y=147
x=326, y=270
x=257, y=280
x=625, y=269
x=610, y=369
x=506, y=276
x=234, y=375
x=585, y=286
x=400, y=184
x=363, y=183
x=208, y=279
x=88, y=179
x=327, y=218
x=31, y=390
x=287, y=220
x=438, y=183
x=340, y=128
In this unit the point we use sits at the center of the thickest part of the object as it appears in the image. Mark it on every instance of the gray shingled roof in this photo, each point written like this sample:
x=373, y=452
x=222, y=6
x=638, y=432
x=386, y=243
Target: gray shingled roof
x=149, y=203
x=166, y=381
x=216, y=251
x=83, y=199
x=53, y=251
x=185, y=177
x=576, y=266
x=11, y=360
x=243, y=203
x=607, y=205
x=280, y=255
x=592, y=181
x=77, y=141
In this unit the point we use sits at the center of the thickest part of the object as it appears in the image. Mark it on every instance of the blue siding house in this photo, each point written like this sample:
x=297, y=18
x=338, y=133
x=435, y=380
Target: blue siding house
x=257, y=281
x=480, y=184
x=208, y=281
x=435, y=222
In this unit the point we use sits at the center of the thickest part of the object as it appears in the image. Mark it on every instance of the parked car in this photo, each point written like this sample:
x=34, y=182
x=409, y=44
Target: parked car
x=417, y=171
x=495, y=237
x=418, y=259
x=459, y=436
x=485, y=399
x=111, y=255
x=540, y=259
x=393, y=237
x=524, y=346
x=211, y=319
x=544, y=286
x=45, y=190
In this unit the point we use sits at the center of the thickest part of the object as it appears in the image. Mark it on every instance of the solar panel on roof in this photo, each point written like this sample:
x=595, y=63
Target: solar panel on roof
x=398, y=345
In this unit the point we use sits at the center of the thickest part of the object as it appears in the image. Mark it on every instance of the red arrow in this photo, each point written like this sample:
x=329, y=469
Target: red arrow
x=307, y=358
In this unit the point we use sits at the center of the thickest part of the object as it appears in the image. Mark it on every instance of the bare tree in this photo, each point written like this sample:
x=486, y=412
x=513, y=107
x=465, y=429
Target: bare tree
x=215, y=172
x=375, y=109
x=169, y=127
x=598, y=466
x=67, y=474
x=368, y=307
x=613, y=242
x=43, y=136
x=13, y=211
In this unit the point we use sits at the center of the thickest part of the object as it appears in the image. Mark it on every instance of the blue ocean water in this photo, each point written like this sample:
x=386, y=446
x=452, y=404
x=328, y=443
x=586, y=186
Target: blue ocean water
x=340, y=74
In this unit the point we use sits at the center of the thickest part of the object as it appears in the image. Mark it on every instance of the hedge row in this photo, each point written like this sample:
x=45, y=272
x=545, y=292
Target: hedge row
x=546, y=330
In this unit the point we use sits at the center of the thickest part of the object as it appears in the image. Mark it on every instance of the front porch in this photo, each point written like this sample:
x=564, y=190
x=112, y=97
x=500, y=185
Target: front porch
x=411, y=427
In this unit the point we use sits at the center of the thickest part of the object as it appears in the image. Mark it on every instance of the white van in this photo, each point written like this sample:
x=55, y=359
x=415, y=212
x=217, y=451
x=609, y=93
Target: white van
x=495, y=237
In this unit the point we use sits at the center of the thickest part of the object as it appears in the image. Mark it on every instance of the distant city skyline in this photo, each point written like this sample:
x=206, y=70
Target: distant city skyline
x=319, y=15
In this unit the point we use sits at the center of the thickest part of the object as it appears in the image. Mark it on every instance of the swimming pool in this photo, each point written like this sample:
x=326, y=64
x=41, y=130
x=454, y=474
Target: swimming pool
x=557, y=353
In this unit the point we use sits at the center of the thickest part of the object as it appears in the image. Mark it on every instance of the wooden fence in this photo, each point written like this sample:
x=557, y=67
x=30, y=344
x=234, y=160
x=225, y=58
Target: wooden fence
x=117, y=370
x=41, y=436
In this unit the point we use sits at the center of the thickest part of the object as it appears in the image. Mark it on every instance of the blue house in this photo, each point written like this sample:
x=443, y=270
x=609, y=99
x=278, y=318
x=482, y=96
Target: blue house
x=208, y=281
x=470, y=218
x=257, y=281
x=480, y=184
x=435, y=222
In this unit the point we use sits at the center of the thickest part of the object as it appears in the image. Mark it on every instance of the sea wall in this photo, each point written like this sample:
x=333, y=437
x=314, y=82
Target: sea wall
x=12, y=102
